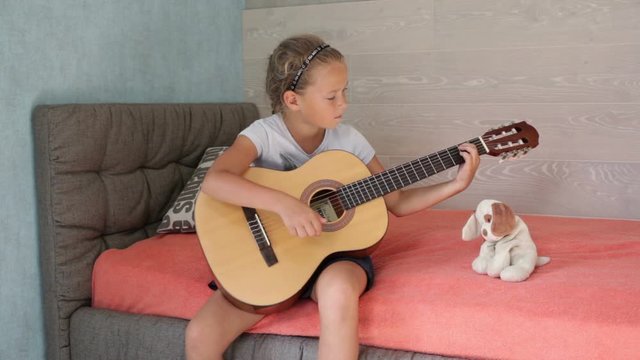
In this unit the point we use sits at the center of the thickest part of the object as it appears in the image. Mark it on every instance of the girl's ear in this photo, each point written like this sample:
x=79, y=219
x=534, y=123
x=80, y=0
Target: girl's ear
x=290, y=99
x=471, y=230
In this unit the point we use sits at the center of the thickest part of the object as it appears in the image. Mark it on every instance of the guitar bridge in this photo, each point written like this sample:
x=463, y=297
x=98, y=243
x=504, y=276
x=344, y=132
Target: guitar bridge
x=260, y=236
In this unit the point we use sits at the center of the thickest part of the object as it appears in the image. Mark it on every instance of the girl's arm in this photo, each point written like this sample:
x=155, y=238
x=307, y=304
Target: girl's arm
x=407, y=201
x=224, y=181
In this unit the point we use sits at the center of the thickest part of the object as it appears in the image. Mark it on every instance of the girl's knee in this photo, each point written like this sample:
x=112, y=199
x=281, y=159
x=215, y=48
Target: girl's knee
x=341, y=282
x=192, y=332
x=193, y=338
x=202, y=341
x=215, y=327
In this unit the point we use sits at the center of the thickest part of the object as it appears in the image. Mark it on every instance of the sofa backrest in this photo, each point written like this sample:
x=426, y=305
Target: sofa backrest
x=105, y=176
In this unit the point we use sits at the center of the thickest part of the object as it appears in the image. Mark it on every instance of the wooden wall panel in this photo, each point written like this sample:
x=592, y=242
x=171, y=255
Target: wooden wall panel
x=354, y=27
x=255, y=71
x=583, y=74
x=565, y=188
x=582, y=132
x=472, y=24
x=260, y=4
x=428, y=74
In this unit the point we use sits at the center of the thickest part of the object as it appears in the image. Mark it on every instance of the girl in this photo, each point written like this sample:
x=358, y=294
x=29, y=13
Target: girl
x=307, y=85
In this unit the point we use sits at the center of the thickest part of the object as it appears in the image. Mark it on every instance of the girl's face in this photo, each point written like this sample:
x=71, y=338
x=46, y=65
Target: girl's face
x=324, y=101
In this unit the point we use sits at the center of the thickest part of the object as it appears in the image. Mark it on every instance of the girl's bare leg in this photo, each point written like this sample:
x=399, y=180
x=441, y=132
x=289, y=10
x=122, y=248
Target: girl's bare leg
x=337, y=292
x=214, y=328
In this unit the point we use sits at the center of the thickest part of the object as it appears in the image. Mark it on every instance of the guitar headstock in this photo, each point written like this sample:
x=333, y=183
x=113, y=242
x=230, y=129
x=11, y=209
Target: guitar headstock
x=511, y=141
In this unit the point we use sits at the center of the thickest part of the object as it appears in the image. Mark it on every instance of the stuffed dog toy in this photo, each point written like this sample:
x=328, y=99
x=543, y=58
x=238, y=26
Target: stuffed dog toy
x=508, y=251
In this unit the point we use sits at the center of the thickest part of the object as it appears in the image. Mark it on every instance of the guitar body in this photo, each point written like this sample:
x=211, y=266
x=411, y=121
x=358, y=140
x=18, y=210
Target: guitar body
x=229, y=245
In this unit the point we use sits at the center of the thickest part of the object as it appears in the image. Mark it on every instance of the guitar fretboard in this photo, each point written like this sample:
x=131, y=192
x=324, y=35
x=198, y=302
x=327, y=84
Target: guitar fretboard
x=375, y=186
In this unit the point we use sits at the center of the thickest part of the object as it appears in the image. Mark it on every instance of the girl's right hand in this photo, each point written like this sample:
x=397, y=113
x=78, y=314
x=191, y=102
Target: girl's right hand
x=299, y=218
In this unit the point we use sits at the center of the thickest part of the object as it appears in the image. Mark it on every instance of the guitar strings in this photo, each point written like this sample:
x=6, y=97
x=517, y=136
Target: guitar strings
x=334, y=197
x=449, y=163
x=367, y=187
x=371, y=187
x=397, y=178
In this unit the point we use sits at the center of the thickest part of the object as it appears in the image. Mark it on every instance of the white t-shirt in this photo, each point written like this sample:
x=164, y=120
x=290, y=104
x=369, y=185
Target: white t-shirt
x=278, y=150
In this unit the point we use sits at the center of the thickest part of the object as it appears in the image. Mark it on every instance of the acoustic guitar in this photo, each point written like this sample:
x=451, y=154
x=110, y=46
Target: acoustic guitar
x=261, y=268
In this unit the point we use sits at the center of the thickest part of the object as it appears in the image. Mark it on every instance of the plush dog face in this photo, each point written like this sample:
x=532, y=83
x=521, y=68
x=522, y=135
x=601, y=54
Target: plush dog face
x=492, y=219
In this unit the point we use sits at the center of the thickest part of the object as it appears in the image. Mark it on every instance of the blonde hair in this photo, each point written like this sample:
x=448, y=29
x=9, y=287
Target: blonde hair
x=287, y=59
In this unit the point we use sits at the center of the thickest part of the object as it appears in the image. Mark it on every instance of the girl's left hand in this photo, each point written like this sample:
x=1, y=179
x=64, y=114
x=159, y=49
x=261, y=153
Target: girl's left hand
x=467, y=170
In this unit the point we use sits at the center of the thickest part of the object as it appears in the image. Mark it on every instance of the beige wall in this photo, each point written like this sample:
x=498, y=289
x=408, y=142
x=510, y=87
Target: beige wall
x=426, y=74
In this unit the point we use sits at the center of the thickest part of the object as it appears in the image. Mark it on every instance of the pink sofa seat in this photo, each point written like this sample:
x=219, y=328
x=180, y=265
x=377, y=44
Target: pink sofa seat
x=426, y=298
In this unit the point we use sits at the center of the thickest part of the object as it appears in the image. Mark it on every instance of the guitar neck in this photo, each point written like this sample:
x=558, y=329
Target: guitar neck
x=375, y=186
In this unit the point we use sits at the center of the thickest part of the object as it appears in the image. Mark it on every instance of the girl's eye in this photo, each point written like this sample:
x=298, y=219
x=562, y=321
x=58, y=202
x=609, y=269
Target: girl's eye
x=331, y=98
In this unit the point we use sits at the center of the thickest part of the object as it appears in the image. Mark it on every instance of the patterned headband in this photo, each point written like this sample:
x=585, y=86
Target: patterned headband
x=305, y=65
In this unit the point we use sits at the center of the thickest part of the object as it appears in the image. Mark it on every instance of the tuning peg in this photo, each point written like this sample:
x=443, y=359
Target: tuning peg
x=514, y=154
x=521, y=153
x=505, y=124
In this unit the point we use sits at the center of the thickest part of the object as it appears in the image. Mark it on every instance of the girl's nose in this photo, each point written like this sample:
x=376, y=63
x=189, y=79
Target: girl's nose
x=342, y=101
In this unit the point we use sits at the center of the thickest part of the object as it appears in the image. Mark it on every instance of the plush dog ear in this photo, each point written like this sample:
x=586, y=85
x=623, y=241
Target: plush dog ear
x=504, y=220
x=471, y=229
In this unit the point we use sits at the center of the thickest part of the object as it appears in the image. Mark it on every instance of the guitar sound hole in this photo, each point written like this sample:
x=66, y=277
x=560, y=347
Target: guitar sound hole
x=326, y=203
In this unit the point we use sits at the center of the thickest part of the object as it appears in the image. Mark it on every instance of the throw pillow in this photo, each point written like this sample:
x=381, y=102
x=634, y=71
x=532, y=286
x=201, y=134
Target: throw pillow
x=179, y=218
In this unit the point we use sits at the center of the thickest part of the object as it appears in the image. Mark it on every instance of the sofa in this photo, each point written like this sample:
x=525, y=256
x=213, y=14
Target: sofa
x=114, y=288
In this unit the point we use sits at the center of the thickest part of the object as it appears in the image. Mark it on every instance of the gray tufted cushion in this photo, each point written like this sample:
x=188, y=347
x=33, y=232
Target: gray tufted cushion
x=106, y=174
